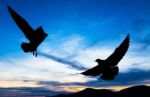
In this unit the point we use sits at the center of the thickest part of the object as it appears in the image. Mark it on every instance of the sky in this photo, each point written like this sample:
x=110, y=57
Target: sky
x=79, y=32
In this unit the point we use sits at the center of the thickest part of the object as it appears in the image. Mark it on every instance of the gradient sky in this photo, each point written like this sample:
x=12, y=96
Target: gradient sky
x=80, y=31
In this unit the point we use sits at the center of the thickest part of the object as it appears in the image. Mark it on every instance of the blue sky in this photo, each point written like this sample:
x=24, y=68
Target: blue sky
x=79, y=32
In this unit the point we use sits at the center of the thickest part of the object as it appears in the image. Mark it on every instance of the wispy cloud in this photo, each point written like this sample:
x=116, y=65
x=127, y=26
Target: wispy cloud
x=60, y=70
x=73, y=64
x=134, y=77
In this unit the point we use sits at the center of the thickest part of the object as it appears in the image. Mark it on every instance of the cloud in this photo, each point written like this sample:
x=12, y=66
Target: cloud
x=27, y=92
x=123, y=81
x=61, y=67
x=15, y=83
x=134, y=63
x=73, y=64
x=134, y=77
x=88, y=56
x=38, y=69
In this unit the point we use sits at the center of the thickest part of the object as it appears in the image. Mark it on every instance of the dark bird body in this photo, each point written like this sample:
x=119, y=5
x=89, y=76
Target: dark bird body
x=108, y=68
x=35, y=37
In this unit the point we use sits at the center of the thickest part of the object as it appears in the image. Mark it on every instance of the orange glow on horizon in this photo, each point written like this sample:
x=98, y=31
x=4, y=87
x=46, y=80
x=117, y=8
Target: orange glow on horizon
x=7, y=84
x=80, y=88
x=71, y=88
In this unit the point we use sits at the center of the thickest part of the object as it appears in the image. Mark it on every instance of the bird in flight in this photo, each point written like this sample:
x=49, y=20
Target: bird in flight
x=35, y=37
x=108, y=68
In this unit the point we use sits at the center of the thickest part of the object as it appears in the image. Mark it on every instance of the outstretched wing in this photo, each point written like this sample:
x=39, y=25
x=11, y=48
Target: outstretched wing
x=119, y=52
x=95, y=71
x=22, y=24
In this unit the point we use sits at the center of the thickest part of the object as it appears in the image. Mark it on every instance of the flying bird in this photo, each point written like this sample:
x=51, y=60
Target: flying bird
x=35, y=37
x=108, y=68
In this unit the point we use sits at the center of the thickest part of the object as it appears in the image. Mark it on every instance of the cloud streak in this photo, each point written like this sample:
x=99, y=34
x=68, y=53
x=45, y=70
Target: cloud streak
x=134, y=77
x=58, y=70
x=72, y=64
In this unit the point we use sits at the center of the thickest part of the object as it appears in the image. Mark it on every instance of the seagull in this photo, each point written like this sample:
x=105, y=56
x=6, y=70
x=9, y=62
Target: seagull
x=35, y=37
x=107, y=69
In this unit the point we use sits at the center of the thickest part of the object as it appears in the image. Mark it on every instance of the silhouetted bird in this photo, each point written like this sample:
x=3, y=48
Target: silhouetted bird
x=108, y=68
x=35, y=37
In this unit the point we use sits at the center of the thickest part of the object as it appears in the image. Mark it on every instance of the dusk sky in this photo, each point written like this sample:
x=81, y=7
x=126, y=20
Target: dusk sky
x=79, y=31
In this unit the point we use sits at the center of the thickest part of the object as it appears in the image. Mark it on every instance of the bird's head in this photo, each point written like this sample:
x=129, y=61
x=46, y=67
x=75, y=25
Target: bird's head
x=98, y=60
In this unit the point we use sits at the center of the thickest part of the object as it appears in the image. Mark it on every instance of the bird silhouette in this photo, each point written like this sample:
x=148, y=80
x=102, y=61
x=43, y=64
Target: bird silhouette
x=35, y=37
x=108, y=68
